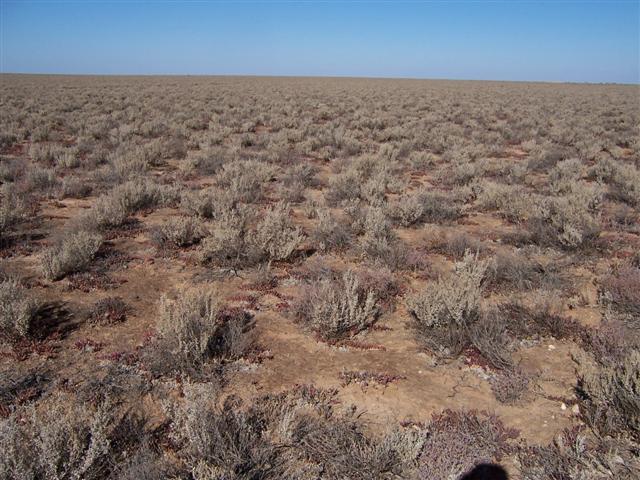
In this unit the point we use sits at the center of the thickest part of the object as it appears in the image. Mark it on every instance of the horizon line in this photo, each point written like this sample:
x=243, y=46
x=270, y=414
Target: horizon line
x=355, y=77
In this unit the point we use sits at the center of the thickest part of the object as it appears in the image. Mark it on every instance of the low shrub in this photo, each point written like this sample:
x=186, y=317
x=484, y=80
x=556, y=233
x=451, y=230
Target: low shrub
x=621, y=291
x=72, y=253
x=193, y=329
x=516, y=271
x=337, y=309
x=41, y=181
x=574, y=454
x=245, y=180
x=108, y=311
x=17, y=310
x=61, y=440
x=423, y=207
x=444, y=312
x=570, y=221
x=510, y=386
x=275, y=235
x=609, y=395
x=330, y=234
x=113, y=209
x=458, y=441
x=13, y=209
x=178, y=232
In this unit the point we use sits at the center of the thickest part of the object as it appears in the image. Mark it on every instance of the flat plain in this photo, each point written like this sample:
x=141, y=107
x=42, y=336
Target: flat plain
x=305, y=278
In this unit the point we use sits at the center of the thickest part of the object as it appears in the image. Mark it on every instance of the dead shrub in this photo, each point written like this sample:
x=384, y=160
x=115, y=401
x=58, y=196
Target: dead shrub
x=74, y=187
x=570, y=221
x=112, y=209
x=41, y=181
x=228, y=244
x=539, y=315
x=13, y=209
x=222, y=442
x=245, y=179
x=72, y=253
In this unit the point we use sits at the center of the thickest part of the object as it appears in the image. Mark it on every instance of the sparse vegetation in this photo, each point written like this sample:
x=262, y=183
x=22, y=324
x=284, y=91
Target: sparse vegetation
x=259, y=234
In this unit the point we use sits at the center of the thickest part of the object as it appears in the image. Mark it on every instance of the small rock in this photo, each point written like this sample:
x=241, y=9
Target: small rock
x=563, y=406
x=575, y=410
x=552, y=347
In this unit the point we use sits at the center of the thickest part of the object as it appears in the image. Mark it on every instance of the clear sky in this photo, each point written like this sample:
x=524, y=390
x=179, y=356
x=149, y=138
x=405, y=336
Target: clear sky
x=583, y=41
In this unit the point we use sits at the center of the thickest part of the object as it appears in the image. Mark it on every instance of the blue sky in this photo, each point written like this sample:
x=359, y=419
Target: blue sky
x=583, y=41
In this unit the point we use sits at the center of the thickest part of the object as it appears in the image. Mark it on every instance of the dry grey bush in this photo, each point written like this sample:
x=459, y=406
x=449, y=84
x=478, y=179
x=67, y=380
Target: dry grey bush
x=510, y=386
x=58, y=442
x=45, y=154
x=245, y=179
x=190, y=323
x=12, y=209
x=337, y=309
x=193, y=330
x=112, y=209
x=456, y=442
x=295, y=434
x=74, y=187
x=179, y=232
x=574, y=454
x=452, y=304
x=570, y=221
x=233, y=243
x=10, y=169
x=329, y=233
x=221, y=442
x=207, y=203
x=509, y=201
x=208, y=162
x=423, y=207
x=620, y=292
x=609, y=395
x=623, y=179
x=17, y=310
x=343, y=187
x=41, y=181
x=565, y=174
x=72, y=253
x=518, y=271
x=275, y=236
x=228, y=243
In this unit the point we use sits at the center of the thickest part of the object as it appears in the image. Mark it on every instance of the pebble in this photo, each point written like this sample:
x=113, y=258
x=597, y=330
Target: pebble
x=552, y=347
